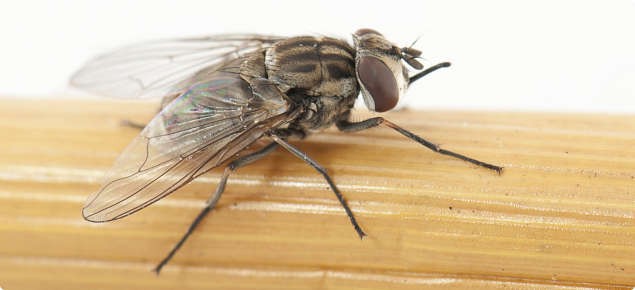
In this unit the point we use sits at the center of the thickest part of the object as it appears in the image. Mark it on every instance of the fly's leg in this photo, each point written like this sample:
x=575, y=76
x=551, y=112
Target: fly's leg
x=126, y=122
x=164, y=103
x=322, y=171
x=211, y=203
x=346, y=126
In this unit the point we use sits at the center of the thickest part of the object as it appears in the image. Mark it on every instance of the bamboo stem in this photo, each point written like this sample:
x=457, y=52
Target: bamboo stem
x=562, y=215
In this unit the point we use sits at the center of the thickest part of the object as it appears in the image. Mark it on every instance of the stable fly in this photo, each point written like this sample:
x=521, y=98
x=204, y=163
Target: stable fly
x=223, y=93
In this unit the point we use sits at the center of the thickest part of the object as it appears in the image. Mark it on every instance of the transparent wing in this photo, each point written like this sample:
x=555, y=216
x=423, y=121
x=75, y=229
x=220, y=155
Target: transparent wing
x=212, y=121
x=153, y=69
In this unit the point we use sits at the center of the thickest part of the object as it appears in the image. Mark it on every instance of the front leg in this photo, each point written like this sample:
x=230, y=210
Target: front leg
x=350, y=127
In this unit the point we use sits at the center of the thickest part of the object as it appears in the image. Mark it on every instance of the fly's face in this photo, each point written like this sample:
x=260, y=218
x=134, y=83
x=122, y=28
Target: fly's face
x=381, y=75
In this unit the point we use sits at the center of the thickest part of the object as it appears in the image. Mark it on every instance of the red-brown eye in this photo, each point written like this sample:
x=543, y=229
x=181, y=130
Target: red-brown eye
x=366, y=31
x=380, y=82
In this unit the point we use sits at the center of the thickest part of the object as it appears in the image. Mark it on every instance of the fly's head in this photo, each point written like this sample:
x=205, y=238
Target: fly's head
x=382, y=76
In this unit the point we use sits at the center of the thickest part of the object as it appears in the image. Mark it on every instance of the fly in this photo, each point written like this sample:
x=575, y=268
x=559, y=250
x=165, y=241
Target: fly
x=221, y=94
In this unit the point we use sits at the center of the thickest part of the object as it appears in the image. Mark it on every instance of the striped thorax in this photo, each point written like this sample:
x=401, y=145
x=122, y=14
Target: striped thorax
x=319, y=71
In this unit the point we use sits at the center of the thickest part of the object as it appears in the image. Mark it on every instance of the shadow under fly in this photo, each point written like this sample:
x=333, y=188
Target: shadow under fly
x=223, y=93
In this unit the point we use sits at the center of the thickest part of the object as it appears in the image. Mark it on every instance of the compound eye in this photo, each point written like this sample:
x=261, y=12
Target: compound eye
x=366, y=31
x=380, y=83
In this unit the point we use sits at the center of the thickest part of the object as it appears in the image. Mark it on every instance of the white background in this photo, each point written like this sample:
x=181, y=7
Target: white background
x=569, y=56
